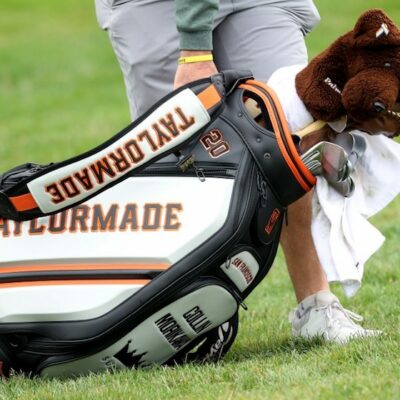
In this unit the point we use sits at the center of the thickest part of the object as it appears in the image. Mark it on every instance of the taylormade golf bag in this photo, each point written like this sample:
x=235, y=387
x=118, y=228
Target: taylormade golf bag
x=151, y=270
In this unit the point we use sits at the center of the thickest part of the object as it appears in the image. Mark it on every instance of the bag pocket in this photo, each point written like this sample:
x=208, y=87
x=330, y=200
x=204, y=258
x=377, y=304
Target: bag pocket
x=199, y=308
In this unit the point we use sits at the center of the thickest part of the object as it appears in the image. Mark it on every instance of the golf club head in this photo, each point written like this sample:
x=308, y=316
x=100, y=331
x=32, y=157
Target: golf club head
x=335, y=163
x=339, y=125
x=345, y=188
x=315, y=167
x=333, y=159
x=313, y=153
x=354, y=145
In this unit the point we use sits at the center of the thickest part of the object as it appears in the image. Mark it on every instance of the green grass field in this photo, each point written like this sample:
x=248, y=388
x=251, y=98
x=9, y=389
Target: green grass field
x=61, y=92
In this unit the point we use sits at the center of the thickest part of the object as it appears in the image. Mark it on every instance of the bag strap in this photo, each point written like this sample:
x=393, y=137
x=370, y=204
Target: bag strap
x=168, y=126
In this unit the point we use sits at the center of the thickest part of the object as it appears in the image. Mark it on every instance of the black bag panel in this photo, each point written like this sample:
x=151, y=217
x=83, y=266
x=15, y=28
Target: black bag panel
x=263, y=145
x=218, y=147
x=268, y=217
x=267, y=255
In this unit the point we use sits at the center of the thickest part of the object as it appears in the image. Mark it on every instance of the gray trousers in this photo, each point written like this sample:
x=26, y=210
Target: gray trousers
x=259, y=35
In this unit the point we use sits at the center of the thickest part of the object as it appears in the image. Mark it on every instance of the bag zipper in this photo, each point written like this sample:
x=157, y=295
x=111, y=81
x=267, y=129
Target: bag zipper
x=202, y=171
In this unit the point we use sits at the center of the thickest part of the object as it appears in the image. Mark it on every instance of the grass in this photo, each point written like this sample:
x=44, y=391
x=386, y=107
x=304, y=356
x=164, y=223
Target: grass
x=61, y=92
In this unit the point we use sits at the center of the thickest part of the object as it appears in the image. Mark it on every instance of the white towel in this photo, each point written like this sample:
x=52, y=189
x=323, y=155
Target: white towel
x=282, y=81
x=343, y=237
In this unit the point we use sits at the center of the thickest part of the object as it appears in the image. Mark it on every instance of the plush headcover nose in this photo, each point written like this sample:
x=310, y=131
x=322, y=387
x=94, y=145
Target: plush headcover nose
x=369, y=93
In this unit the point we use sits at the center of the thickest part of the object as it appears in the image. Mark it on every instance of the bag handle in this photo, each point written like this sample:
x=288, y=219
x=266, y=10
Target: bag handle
x=278, y=159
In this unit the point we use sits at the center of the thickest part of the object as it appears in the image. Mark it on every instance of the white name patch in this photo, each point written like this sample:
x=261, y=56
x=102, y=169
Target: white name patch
x=169, y=125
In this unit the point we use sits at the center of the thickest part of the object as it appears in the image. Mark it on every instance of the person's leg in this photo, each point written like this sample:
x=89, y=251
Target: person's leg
x=145, y=40
x=264, y=38
x=302, y=261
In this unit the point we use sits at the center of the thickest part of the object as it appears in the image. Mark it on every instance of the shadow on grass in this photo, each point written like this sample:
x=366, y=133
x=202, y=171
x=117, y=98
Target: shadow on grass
x=243, y=352
x=276, y=348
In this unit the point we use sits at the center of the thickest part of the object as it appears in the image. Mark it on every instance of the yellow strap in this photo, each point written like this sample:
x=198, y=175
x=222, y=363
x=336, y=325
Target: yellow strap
x=195, y=59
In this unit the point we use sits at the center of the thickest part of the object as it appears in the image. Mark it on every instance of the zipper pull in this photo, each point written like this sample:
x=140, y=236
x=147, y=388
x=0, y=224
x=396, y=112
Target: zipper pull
x=239, y=299
x=199, y=173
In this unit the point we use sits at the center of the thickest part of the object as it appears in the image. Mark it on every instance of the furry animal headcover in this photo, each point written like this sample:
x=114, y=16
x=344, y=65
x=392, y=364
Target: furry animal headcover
x=357, y=75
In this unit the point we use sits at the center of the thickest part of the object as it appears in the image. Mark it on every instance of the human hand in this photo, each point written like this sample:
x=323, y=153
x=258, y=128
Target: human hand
x=186, y=73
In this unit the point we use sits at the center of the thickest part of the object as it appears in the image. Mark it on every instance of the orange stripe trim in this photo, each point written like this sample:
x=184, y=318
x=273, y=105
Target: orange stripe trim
x=209, y=97
x=80, y=267
x=23, y=202
x=310, y=177
x=281, y=145
x=77, y=282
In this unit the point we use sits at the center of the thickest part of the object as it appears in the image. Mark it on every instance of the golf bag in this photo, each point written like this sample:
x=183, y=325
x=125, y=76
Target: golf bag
x=154, y=267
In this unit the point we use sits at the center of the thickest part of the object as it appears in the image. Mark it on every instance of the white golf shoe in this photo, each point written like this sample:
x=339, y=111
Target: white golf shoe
x=322, y=315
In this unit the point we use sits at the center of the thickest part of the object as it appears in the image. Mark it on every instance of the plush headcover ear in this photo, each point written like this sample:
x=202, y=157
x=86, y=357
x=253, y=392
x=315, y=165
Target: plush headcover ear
x=375, y=29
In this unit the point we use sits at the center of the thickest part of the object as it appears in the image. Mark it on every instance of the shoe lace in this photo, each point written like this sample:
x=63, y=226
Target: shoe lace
x=343, y=318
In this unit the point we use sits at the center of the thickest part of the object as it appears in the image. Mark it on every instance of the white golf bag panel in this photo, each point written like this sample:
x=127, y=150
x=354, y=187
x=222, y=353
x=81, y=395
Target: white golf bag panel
x=159, y=263
x=146, y=219
x=46, y=301
x=138, y=229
